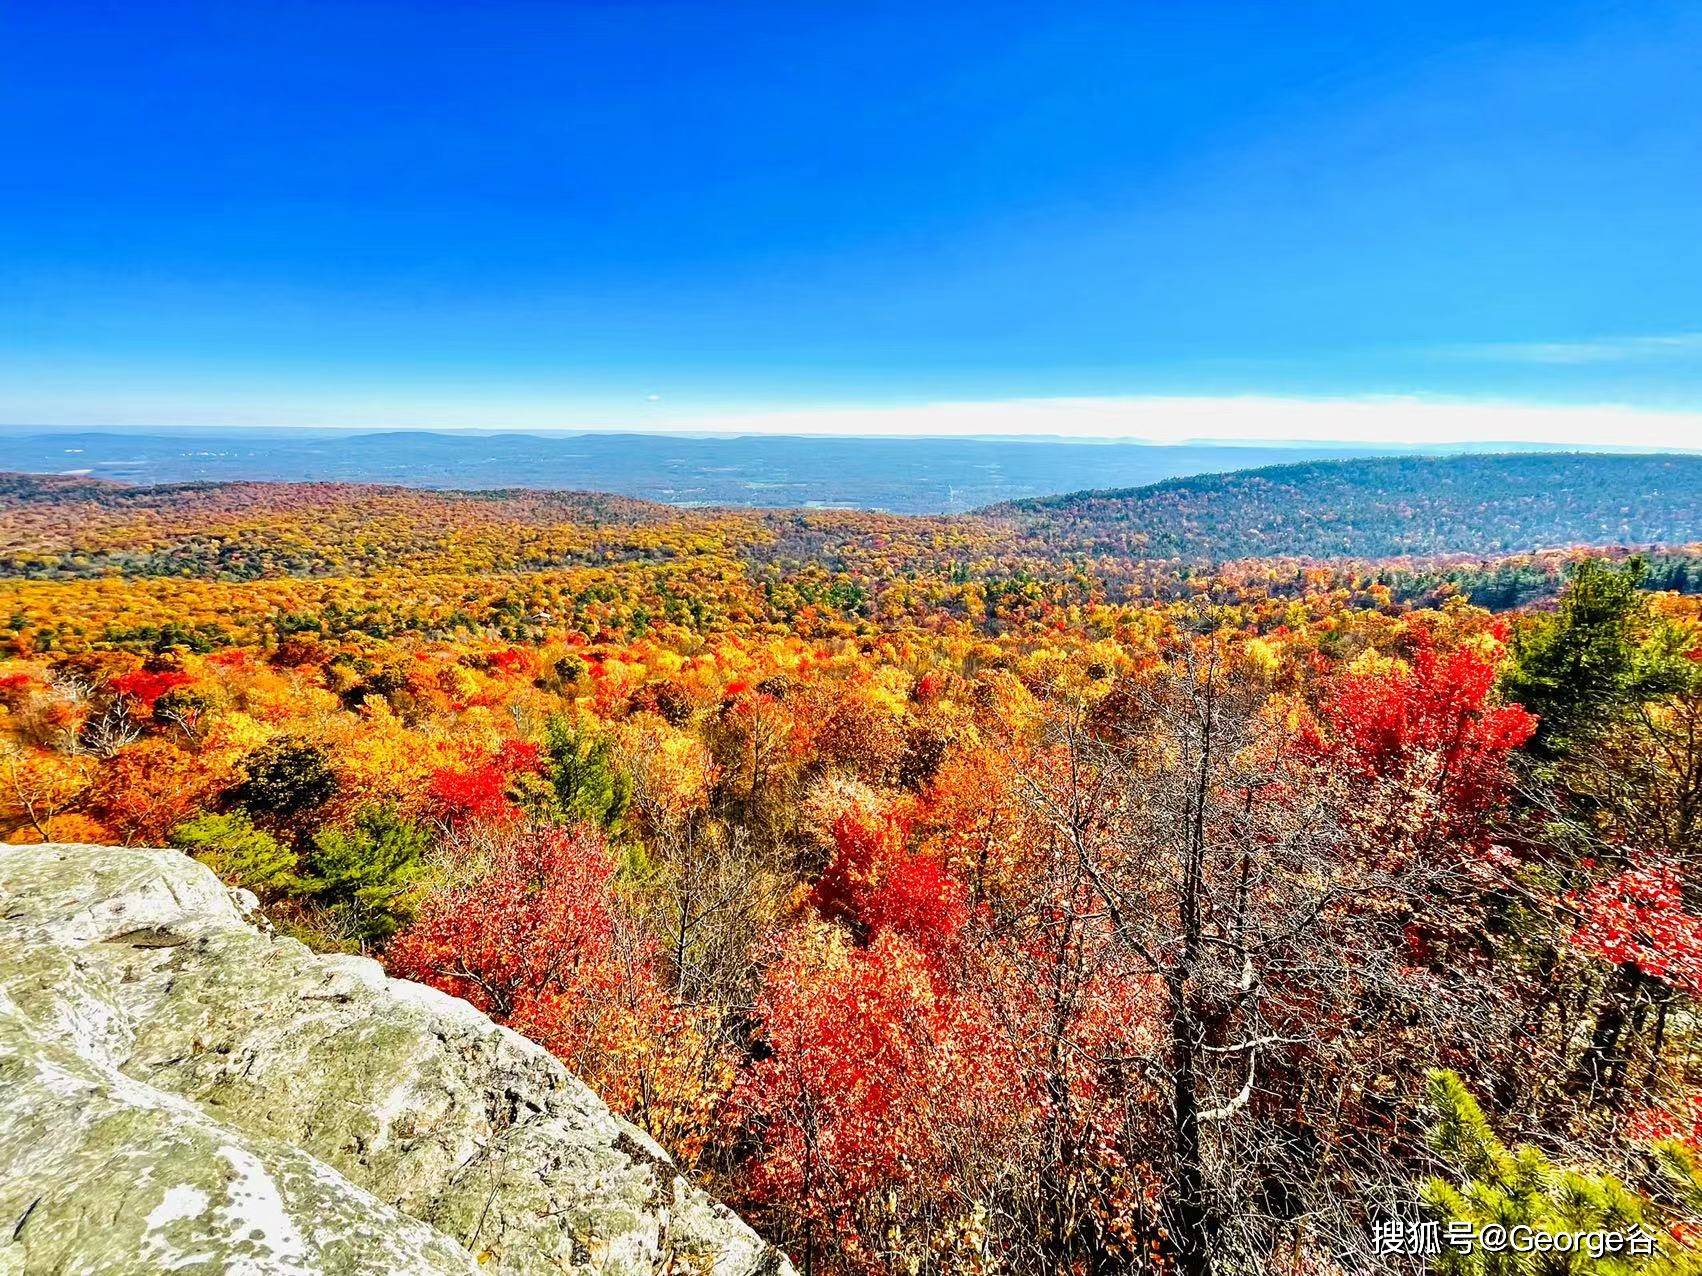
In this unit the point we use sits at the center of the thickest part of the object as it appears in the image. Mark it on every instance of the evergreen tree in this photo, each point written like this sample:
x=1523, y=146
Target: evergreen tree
x=364, y=875
x=1591, y=662
x=589, y=787
x=239, y=853
x=1596, y=672
x=1521, y=1188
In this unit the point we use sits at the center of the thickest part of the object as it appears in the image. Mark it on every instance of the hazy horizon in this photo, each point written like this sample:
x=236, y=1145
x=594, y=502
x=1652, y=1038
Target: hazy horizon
x=1402, y=422
x=901, y=474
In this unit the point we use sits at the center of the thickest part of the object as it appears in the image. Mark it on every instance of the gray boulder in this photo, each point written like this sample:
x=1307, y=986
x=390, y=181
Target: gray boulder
x=182, y=1091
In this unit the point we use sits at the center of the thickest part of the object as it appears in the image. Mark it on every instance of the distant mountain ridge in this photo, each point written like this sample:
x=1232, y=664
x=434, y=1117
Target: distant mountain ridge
x=1381, y=507
x=1366, y=510
x=900, y=475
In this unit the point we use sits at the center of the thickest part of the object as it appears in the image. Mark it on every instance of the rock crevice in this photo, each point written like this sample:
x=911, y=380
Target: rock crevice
x=182, y=1091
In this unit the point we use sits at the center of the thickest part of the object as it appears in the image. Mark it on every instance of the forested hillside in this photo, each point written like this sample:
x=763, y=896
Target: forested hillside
x=1382, y=507
x=952, y=899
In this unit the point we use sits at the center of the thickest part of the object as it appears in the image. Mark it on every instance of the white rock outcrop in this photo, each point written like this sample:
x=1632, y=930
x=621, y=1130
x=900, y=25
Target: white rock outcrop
x=181, y=1091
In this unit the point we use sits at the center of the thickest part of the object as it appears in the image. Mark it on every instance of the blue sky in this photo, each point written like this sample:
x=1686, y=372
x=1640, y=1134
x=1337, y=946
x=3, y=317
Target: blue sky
x=1168, y=220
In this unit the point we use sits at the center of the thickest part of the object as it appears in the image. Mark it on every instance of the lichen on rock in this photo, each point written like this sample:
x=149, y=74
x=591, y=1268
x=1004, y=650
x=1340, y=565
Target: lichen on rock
x=180, y=1090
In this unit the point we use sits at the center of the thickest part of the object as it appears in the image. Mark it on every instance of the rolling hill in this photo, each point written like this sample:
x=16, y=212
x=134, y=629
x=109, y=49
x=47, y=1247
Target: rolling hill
x=1379, y=508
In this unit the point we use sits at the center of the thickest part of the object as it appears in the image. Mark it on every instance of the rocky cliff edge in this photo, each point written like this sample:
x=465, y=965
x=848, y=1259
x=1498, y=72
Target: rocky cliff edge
x=182, y=1091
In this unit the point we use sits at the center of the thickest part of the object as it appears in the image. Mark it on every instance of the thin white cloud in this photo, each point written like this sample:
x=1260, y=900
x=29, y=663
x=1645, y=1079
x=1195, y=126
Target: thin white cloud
x=1151, y=418
x=1176, y=419
x=1595, y=350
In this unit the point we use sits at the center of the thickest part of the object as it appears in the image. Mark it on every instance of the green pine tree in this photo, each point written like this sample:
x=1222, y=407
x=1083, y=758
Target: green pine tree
x=365, y=876
x=1593, y=660
x=239, y=853
x=1514, y=1187
x=588, y=786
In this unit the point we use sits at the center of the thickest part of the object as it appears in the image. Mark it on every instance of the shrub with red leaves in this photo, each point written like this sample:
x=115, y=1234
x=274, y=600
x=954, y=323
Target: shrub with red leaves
x=480, y=792
x=1431, y=731
x=1638, y=918
x=145, y=686
x=538, y=944
x=877, y=884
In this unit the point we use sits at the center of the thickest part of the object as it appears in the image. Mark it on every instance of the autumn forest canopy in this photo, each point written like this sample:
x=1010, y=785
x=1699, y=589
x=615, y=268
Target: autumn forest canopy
x=1191, y=878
